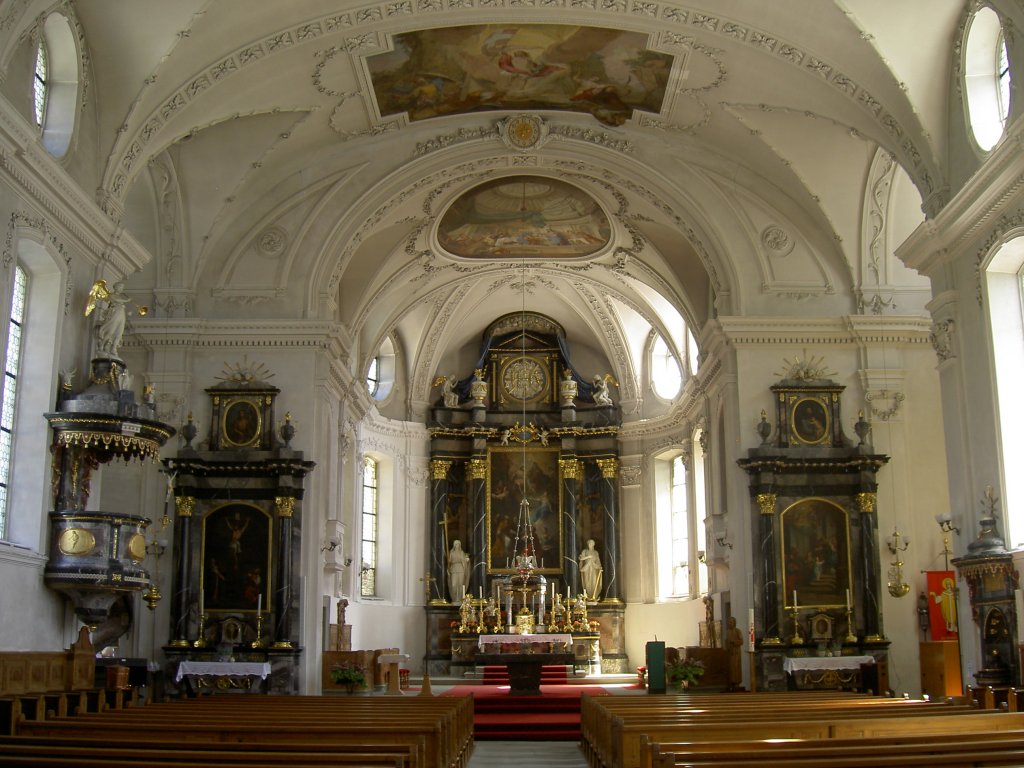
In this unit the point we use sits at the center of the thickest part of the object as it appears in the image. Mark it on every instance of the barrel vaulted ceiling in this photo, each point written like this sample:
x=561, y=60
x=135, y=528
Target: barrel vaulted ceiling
x=294, y=159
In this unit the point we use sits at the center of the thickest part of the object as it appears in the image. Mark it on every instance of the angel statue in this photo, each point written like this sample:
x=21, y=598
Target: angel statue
x=601, y=394
x=112, y=315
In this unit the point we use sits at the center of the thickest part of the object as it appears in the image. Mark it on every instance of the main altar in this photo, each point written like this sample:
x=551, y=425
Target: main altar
x=524, y=507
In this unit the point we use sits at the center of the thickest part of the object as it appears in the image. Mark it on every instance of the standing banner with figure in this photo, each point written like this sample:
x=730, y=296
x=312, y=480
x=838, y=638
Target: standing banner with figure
x=942, y=619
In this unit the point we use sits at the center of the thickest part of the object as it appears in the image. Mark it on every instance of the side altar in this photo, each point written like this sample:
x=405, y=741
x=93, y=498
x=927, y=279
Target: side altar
x=524, y=503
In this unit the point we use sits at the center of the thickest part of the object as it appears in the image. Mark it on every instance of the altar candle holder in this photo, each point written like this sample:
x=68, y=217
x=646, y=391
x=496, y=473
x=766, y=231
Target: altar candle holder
x=200, y=642
x=850, y=637
x=258, y=642
x=797, y=638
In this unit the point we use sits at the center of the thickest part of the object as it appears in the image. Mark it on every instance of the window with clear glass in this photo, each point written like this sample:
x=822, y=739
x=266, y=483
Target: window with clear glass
x=373, y=376
x=12, y=364
x=680, y=522
x=986, y=72
x=39, y=84
x=370, y=516
x=666, y=375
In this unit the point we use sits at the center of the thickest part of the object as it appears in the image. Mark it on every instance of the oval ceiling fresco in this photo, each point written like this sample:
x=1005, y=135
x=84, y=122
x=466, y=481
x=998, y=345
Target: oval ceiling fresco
x=524, y=217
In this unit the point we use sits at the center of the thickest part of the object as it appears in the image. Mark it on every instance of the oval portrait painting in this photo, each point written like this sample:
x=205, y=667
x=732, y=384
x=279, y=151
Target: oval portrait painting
x=524, y=217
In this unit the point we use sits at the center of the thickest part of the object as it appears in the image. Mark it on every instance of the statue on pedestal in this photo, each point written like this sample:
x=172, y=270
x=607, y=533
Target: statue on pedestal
x=591, y=570
x=458, y=572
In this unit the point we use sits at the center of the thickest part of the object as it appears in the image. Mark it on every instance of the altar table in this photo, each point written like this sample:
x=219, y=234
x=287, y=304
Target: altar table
x=564, y=640
x=223, y=675
x=524, y=669
x=826, y=672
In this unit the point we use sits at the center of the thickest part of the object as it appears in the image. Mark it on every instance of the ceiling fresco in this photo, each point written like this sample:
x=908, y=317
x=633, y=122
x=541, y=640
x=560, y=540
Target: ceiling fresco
x=524, y=217
x=607, y=73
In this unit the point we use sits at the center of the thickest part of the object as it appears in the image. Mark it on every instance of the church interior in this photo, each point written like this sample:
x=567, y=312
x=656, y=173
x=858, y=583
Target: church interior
x=411, y=326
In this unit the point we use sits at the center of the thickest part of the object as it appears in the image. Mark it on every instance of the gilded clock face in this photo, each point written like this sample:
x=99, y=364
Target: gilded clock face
x=523, y=131
x=524, y=378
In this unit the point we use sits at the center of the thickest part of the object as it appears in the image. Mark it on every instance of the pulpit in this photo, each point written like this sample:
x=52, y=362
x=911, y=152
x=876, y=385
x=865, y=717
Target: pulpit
x=389, y=664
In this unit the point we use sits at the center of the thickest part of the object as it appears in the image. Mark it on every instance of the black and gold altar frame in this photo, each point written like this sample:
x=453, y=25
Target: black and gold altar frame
x=513, y=472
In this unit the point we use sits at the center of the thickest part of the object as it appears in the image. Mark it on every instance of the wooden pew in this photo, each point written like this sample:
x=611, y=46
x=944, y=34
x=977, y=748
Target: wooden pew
x=663, y=755
x=616, y=741
x=440, y=730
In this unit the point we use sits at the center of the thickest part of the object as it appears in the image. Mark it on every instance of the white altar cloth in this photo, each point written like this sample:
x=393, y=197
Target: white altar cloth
x=565, y=639
x=259, y=669
x=825, y=662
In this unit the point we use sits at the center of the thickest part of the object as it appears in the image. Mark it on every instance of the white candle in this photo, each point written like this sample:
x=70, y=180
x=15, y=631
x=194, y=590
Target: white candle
x=847, y=598
x=750, y=630
x=201, y=602
x=568, y=592
x=481, y=593
x=795, y=603
x=259, y=603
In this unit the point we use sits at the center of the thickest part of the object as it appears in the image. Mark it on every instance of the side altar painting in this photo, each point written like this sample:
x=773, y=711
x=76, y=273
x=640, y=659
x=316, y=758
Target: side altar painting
x=236, y=559
x=815, y=553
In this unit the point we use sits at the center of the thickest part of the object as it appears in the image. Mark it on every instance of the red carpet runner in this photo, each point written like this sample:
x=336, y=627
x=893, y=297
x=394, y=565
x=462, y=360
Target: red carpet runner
x=552, y=716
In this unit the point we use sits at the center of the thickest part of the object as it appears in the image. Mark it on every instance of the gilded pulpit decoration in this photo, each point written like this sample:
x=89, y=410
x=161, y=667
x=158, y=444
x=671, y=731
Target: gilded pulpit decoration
x=439, y=469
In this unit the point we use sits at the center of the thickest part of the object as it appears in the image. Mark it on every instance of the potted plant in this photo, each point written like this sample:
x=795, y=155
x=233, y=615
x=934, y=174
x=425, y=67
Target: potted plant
x=685, y=673
x=349, y=676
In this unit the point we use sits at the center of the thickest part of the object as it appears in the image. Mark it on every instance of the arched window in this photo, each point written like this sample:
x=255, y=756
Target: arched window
x=55, y=84
x=380, y=375
x=666, y=374
x=12, y=368
x=30, y=363
x=39, y=84
x=986, y=78
x=370, y=518
x=1004, y=286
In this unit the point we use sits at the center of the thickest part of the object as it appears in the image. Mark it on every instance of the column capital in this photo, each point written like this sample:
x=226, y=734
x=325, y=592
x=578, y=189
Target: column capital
x=570, y=469
x=439, y=468
x=609, y=467
x=284, y=506
x=766, y=503
x=184, y=506
x=476, y=469
x=866, y=502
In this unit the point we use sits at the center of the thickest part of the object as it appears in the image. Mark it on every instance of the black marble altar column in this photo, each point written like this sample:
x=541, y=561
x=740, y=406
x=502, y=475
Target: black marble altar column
x=439, y=515
x=769, y=583
x=870, y=567
x=476, y=474
x=612, y=585
x=184, y=506
x=570, y=469
x=284, y=506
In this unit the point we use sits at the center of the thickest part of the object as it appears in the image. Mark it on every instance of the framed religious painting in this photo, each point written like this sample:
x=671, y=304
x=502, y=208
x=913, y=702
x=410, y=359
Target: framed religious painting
x=242, y=418
x=524, y=505
x=815, y=554
x=235, y=569
x=810, y=421
x=809, y=416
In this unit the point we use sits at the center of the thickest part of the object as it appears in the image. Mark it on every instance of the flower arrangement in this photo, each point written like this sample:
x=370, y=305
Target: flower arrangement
x=685, y=672
x=348, y=675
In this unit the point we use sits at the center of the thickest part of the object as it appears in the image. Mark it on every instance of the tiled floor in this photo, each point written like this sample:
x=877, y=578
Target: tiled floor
x=523, y=754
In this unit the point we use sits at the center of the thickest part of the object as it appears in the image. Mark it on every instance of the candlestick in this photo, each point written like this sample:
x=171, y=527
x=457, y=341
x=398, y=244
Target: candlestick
x=750, y=630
